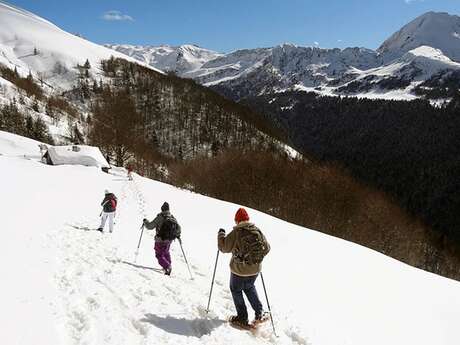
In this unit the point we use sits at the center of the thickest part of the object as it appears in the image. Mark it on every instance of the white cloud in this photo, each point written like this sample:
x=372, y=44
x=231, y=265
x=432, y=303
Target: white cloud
x=116, y=16
x=412, y=1
x=316, y=43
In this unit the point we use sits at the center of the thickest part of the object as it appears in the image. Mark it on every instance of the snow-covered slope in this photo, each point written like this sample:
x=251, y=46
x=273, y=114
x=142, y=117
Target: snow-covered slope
x=31, y=43
x=17, y=146
x=437, y=30
x=54, y=58
x=63, y=283
x=397, y=79
x=181, y=59
x=426, y=60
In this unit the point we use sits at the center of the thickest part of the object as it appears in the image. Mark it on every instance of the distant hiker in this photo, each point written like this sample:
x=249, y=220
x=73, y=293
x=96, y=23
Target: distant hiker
x=109, y=206
x=248, y=247
x=130, y=170
x=167, y=230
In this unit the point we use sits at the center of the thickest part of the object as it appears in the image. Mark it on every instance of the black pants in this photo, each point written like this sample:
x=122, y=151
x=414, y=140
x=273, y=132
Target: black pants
x=239, y=284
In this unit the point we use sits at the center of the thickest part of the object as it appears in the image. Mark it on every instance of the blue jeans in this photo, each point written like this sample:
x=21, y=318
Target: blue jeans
x=238, y=285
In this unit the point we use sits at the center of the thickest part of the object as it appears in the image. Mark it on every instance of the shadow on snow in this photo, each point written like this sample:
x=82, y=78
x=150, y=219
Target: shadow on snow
x=191, y=328
x=159, y=270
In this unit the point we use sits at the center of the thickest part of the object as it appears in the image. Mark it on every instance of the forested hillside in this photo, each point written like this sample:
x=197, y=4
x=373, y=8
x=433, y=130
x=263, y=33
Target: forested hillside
x=410, y=150
x=137, y=109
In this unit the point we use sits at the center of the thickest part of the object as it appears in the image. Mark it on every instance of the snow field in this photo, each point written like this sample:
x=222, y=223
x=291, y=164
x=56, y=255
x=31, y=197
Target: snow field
x=110, y=298
x=65, y=283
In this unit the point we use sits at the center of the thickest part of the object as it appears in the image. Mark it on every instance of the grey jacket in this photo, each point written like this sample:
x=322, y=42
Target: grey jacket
x=158, y=221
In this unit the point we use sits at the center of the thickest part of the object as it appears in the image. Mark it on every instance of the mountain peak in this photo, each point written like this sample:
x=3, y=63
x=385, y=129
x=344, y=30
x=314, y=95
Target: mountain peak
x=435, y=15
x=439, y=30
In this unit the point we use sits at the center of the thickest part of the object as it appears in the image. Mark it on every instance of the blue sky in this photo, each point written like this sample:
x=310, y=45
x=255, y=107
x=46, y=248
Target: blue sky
x=228, y=25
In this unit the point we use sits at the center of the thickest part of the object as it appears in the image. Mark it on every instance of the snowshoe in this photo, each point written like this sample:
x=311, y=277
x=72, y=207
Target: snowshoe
x=240, y=324
x=265, y=316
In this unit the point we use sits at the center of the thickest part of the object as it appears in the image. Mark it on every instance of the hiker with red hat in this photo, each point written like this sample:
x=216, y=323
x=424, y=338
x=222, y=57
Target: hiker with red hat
x=248, y=247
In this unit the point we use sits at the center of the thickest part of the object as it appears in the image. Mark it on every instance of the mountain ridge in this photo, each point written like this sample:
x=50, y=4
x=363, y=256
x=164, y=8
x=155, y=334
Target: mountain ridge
x=329, y=71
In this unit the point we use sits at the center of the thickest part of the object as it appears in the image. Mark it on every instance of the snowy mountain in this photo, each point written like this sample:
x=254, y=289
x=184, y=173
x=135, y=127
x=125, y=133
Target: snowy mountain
x=181, y=59
x=70, y=285
x=393, y=71
x=31, y=43
x=437, y=30
x=292, y=64
x=51, y=58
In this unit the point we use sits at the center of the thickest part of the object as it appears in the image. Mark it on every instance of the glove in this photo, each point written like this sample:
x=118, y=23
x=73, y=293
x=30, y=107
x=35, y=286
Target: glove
x=145, y=221
x=221, y=231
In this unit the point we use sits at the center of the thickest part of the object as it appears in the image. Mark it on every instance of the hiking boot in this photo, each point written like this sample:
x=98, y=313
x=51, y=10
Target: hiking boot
x=237, y=322
x=100, y=229
x=168, y=271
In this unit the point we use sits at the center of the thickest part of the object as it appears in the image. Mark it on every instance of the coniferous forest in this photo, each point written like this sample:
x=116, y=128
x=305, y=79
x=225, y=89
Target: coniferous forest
x=410, y=150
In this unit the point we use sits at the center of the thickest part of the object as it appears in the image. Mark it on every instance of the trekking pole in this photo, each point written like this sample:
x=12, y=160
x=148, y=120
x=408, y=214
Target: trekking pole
x=139, y=244
x=268, y=305
x=185, y=258
x=212, y=283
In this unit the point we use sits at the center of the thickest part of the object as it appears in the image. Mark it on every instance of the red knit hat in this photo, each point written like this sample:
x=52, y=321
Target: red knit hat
x=241, y=215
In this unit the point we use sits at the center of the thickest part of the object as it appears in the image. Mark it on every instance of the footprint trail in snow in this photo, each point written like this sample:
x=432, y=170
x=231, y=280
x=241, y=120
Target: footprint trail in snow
x=109, y=299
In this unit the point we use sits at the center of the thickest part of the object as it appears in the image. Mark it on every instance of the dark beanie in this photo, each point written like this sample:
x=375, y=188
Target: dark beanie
x=165, y=207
